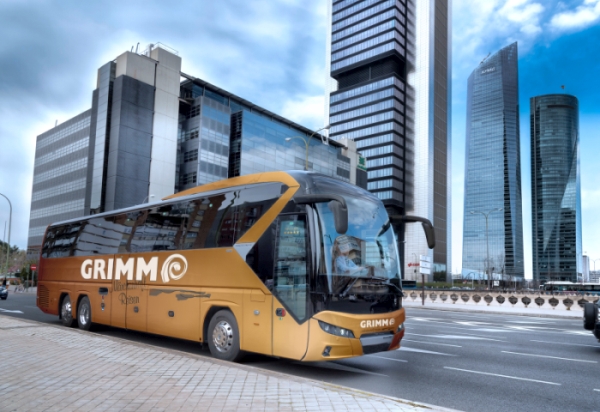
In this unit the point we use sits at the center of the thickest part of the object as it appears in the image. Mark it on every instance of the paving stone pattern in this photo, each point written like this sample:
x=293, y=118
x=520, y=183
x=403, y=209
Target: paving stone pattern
x=49, y=368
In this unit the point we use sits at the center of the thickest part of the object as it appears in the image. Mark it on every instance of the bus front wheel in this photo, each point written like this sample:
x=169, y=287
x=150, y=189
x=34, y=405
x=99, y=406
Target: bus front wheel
x=224, y=337
x=84, y=314
x=66, y=312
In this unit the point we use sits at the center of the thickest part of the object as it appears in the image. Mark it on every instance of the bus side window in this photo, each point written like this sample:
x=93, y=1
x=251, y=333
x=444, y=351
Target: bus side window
x=260, y=257
x=98, y=235
x=60, y=241
x=162, y=229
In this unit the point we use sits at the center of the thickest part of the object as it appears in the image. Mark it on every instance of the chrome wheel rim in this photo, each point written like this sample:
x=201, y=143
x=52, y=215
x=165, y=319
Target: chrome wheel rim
x=66, y=310
x=84, y=314
x=222, y=336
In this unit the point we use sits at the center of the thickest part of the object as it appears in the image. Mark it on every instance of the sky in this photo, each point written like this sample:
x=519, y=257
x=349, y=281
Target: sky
x=272, y=53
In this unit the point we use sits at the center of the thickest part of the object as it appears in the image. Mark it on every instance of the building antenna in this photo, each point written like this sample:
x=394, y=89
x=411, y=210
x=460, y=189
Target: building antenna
x=136, y=47
x=56, y=123
x=132, y=49
x=485, y=58
x=562, y=87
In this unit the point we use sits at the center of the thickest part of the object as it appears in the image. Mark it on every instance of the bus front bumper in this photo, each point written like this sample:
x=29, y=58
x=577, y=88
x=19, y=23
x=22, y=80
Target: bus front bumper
x=323, y=346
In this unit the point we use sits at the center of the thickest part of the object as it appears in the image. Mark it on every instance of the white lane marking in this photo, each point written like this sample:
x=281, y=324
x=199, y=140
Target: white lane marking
x=405, y=349
x=458, y=337
x=502, y=376
x=531, y=322
x=523, y=329
x=383, y=357
x=431, y=343
x=446, y=326
x=487, y=317
x=560, y=343
x=492, y=330
x=549, y=357
x=597, y=390
x=10, y=311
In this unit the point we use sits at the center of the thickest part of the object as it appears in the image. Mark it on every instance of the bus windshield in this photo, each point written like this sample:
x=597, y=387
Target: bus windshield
x=367, y=251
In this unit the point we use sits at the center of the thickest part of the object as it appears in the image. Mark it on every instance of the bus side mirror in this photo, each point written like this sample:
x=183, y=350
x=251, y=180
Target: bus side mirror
x=427, y=226
x=336, y=203
x=340, y=216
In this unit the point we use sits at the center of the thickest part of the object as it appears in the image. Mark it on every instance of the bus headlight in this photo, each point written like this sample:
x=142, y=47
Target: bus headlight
x=400, y=328
x=336, y=330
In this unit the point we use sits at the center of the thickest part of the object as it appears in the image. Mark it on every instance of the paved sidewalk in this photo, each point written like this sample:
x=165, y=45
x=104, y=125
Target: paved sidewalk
x=50, y=368
x=495, y=309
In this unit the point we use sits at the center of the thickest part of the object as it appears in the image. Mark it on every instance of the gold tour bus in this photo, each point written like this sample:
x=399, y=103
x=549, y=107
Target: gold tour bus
x=290, y=264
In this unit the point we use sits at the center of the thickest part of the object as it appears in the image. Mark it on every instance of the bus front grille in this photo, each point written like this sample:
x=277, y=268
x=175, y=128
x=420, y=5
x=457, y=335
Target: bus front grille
x=376, y=342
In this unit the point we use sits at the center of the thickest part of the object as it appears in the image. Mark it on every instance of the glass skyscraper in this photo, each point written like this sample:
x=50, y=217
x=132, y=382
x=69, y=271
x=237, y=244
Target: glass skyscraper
x=493, y=220
x=390, y=61
x=555, y=188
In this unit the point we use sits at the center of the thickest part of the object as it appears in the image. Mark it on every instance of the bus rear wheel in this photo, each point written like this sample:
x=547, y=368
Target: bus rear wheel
x=84, y=314
x=224, y=337
x=66, y=312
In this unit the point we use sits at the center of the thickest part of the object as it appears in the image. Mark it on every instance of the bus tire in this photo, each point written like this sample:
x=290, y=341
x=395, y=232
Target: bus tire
x=590, y=316
x=66, y=312
x=84, y=314
x=224, y=337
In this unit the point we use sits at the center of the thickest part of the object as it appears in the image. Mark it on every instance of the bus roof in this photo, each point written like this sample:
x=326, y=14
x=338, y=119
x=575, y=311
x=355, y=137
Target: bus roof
x=291, y=178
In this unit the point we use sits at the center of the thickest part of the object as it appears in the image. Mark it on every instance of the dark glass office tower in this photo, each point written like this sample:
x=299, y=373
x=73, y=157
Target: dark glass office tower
x=493, y=221
x=390, y=61
x=555, y=188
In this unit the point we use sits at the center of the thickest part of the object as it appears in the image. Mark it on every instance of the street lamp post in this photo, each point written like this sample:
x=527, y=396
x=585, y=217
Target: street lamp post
x=9, y=225
x=307, y=143
x=472, y=273
x=487, y=240
x=595, y=260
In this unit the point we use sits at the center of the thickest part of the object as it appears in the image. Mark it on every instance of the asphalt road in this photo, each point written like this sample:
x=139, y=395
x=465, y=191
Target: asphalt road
x=465, y=361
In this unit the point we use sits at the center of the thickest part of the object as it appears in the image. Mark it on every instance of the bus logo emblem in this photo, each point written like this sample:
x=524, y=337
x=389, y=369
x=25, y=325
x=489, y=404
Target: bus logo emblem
x=174, y=268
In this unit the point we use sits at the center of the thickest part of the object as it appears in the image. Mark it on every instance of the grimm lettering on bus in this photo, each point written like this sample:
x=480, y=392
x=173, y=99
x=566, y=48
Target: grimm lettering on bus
x=377, y=323
x=174, y=267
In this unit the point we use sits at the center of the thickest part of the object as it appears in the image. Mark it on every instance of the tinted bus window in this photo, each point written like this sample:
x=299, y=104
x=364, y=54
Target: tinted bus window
x=60, y=240
x=100, y=235
x=221, y=220
x=247, y=207
x=163, y=228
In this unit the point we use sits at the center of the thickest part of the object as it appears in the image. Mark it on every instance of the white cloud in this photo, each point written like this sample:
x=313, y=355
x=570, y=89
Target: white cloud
x=492, y=24
x=305, y=110
x=583, y=16
x=519, y=11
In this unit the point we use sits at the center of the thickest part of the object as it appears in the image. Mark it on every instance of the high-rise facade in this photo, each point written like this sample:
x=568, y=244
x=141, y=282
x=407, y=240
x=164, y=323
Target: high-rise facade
x=493, y=220
x=555, y=188
x=390, y=61
x=150, y=134
x=60, y=175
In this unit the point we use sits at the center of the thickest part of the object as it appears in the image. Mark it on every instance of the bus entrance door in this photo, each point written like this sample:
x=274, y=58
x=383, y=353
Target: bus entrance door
x=129, y=296
x=290, y=326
